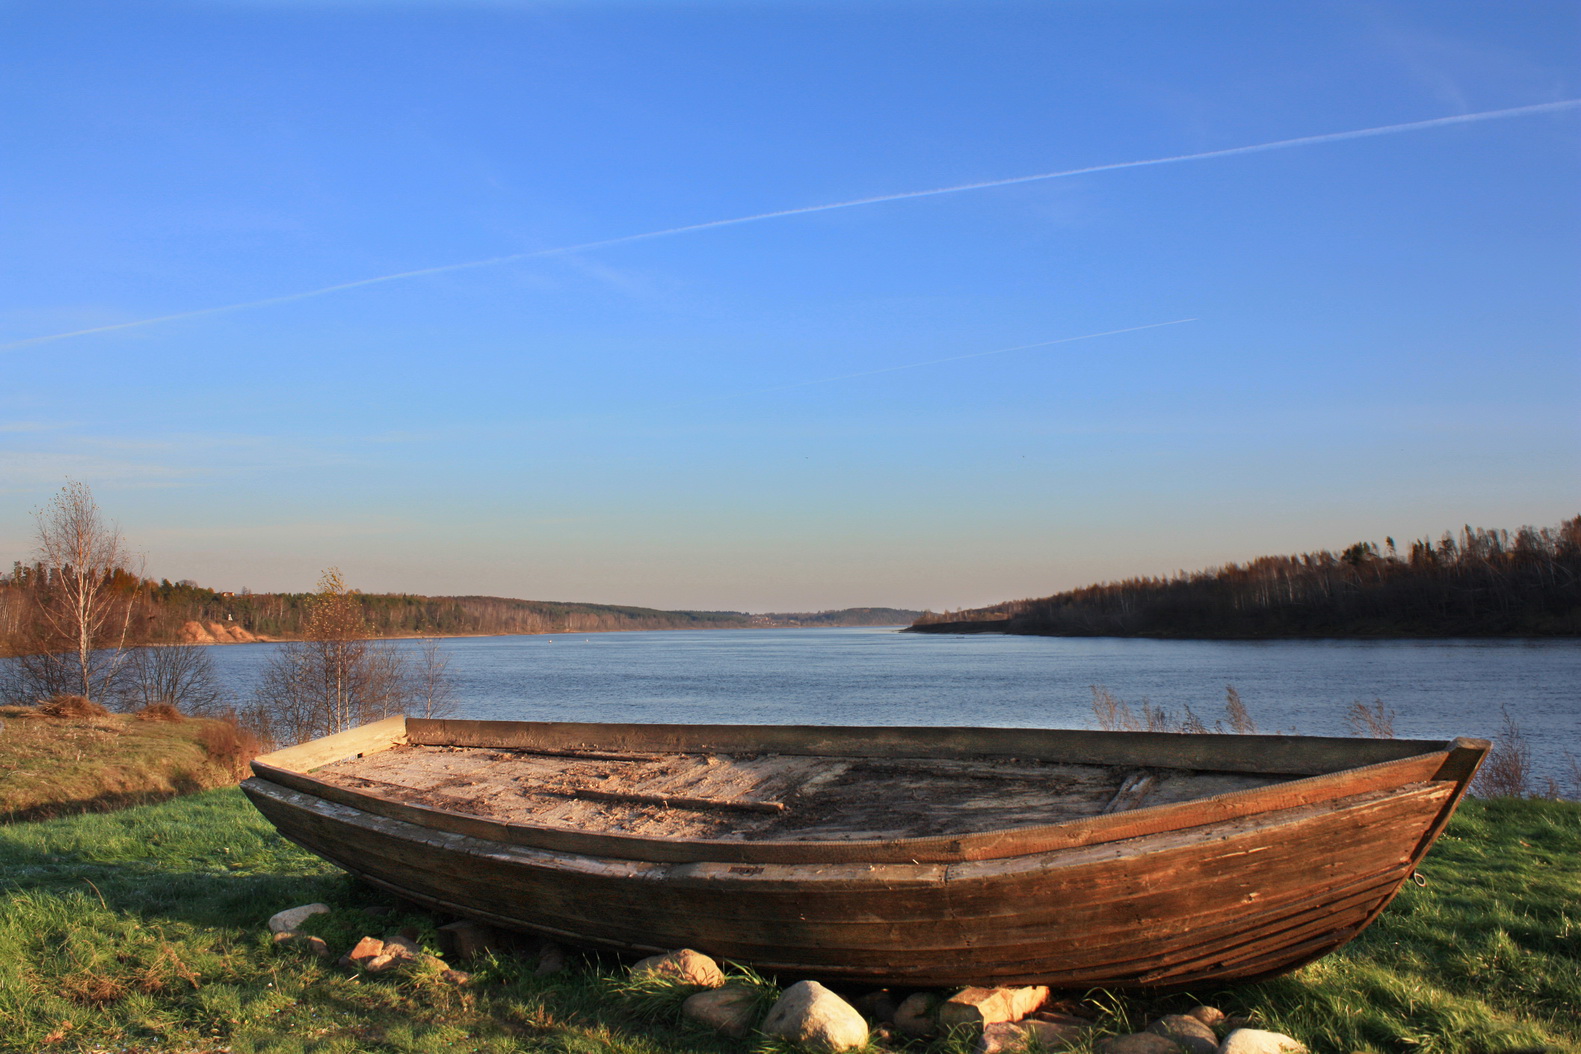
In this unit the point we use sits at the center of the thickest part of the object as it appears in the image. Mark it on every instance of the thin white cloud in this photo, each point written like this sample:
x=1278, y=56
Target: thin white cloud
x=807, y=210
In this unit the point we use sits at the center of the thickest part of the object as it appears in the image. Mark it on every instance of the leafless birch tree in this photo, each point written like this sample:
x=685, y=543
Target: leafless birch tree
x=80, y=595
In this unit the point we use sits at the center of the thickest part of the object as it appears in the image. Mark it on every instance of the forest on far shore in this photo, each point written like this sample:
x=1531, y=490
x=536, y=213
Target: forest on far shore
x=165, y=607
x=1481, y=583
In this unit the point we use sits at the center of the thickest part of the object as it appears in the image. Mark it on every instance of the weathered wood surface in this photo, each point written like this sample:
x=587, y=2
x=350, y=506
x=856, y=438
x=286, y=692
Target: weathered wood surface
x=1265, y=896
x=1272, y=754
x=670, y=801
x=364, y=739
x=1233, y=886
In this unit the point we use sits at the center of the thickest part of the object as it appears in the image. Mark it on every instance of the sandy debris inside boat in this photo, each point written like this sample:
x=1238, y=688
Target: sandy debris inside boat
x=756, y=797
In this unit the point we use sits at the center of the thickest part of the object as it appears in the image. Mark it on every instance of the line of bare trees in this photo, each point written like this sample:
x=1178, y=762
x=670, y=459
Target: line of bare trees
x=79, y=620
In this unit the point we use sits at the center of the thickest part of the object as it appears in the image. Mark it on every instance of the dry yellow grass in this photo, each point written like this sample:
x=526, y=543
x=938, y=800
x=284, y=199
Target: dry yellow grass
x=51, y=766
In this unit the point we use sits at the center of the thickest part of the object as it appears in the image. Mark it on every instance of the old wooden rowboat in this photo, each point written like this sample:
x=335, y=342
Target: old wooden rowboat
x=914, y=856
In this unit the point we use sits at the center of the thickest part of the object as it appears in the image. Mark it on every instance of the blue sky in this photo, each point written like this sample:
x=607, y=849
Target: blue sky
x=796, y=412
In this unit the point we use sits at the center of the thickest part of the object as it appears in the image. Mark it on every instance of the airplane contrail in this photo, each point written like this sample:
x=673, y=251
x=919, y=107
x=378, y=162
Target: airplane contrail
x=806, y=210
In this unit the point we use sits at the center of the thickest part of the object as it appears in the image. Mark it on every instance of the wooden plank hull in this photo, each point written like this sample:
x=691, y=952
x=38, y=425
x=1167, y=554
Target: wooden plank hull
x=1225, y=890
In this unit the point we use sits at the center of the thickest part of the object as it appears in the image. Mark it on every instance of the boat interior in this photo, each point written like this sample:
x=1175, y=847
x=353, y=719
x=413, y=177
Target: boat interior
x=729, y=796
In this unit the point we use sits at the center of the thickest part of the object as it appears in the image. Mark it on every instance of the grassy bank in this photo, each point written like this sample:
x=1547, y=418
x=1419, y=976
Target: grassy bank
x=144, y=930
x=55, y=766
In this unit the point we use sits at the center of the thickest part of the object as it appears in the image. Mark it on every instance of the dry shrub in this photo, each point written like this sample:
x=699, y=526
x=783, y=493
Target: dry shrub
x=159, y=712
x=71, y=706
x=230, y=744
x=1507, y=770
x=93, y=989
x=1115, y=715
x=1235, y=712
x=1375, y=721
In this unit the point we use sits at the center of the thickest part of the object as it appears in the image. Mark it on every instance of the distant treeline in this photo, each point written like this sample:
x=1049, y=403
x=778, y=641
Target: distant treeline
x=1483, y=583
x=164, y=607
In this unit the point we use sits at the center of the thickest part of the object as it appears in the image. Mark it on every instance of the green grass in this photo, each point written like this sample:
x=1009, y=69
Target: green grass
x=144, y=930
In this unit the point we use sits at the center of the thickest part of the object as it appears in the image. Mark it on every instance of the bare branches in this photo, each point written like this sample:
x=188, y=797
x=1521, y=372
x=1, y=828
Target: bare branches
x=339, y=677
x=79, y=600
x=430, y=689
x=1375, y=721
x=179, y=675
x=1235, y=712
x=1507, y=771
x=1114, y=715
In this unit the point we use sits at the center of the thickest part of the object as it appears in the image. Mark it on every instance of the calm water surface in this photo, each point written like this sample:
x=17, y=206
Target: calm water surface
x=883, y=677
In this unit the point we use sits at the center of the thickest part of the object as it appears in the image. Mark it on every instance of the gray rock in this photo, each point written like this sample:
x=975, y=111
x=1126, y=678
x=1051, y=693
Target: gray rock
x=1256, y=1041
x=551, y=959
x=1188, y=1032
x=877, y=1006
x=683, y=965
x=468, y=940
x=810, y=1014
x=731, y=1009
x=914, y=1017
x=1004, y=1036
x=291, y=918
x=1137, y=1043
x=402, y=944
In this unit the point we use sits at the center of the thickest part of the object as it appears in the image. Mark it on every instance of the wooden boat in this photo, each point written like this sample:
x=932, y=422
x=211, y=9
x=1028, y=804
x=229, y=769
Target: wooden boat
x=904, y=856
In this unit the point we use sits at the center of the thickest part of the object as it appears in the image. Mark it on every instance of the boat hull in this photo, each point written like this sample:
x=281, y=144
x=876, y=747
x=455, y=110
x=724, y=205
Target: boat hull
x=1210, y=892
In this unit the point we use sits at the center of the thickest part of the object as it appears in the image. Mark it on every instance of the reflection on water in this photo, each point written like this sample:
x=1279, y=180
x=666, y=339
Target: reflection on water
x=882, y=677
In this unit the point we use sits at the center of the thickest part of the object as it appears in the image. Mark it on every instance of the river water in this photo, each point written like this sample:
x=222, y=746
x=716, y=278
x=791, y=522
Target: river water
x=1436, y=688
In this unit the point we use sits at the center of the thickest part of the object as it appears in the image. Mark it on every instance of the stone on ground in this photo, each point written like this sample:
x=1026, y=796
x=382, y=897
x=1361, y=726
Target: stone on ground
x=1211, y=1016
x=551, y=959
x=363, y=952
x=683, y=965
x=1006, y=1036
x=731, y=1009
x=394, y=952
x=810, y=1014
x=980, y=1007
x=468, y=940
x=297, y=939
x=291, y=918
x=1256, y=1041
x=1188, y=1032
x=914, y=1017
x=1137, y=1043
x=877, y=1006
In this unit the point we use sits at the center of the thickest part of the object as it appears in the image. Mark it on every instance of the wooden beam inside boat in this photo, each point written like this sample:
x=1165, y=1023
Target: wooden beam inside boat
x=1270, y=755
x=355, y=742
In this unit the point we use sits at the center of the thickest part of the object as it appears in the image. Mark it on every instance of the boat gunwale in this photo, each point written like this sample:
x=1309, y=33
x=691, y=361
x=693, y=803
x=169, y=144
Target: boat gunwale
x=1454, y=760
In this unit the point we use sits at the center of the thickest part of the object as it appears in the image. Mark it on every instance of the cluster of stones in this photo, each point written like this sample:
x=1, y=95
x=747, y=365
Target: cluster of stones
x=808, y=1014
x=1202, y=1030
x=1003, y=1019
x=459, y=940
